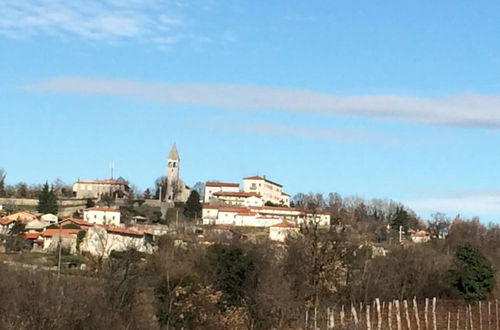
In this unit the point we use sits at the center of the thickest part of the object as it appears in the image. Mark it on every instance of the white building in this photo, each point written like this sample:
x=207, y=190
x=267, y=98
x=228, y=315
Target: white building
x=260, y=216
x=212, y=187
x=279, y=232
x=49, y=217
x=269, y=191
x=117, y=188
x=102, y=240
x=239, y=198
x=102, y=216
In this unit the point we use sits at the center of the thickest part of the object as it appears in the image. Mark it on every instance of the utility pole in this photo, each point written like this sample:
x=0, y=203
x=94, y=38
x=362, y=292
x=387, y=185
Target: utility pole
x=59, y=257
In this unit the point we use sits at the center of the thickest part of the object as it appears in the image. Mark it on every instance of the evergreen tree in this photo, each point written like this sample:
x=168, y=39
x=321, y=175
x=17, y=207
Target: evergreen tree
x=192, y=208
x=400, y=219
x=90, y=203
x=472, y=274
x=47, y=200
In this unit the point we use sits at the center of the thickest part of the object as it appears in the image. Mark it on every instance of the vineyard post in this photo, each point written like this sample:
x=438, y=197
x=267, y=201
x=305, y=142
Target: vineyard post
x=415, y=309
x=407, y=314
x=434, y=313
x=354, y=315
x=389, y=315
x=368, y=321
x=398, y=314
x=379, y=315
x=426, y=314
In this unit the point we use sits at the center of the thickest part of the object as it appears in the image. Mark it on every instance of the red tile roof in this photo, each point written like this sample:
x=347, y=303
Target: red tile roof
x=236, y=194
x=56, y=231
x=79, y=222
x=285, y=224
x=221, y=184
x=31, y=235
x=5, y=221
x=122, y=230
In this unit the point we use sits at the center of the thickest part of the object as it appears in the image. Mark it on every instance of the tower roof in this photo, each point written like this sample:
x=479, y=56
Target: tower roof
x=173, y=154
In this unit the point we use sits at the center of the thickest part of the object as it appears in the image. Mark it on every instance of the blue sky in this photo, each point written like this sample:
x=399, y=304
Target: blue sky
x=388, y=99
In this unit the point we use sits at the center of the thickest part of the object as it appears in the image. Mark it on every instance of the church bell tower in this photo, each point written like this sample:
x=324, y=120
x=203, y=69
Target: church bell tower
x=173, y=162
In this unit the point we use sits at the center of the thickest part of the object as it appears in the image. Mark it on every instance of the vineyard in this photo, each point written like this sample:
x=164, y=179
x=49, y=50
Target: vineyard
x=428, y=314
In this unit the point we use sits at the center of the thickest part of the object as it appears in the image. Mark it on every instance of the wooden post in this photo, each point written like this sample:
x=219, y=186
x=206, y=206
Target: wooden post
x=449, y=321
x=398, y=315
x=470, y=318
x=368, y=320
x=315, y=322
x=480, y=316
x=415, y=309
x=354, y=315
x=426, y=315
x=489, y=315
x=332, y=318
x=389, y=315
x=307, y=318
x=496, y=313
x=379, y=314
x=328, y=326
x=342, y=316
x=466, y=316
x=458, y=319
x=434, y=313
x=407, y=314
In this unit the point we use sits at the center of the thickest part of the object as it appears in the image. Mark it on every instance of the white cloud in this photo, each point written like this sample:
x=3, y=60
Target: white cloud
x=336, y=134
x=470, y=110
x=468, y=202
x=148, y=21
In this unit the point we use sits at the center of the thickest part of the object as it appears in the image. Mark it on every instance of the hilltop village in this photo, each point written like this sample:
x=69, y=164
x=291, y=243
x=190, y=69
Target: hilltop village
x=102, y=215
x=229, y=255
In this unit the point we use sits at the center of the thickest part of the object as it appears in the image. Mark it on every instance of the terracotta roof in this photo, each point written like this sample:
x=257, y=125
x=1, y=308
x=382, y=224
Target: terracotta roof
x=122, y=230
x=56, y=231
x=22, y=216
x=285, y=224
x=5, y=221
x=107, y=209
x=234, y=209
x=283, y=193
x=207, y=206
x=79, y=222
x=236, y=194
x=256, y=177
x=277, y=208
x=227, y=208
x=31, y=235
x=247, y=213
x=221, y=184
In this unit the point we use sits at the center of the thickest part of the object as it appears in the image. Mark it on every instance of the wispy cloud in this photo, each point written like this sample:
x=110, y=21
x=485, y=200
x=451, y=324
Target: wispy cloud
x=335, y=134
x=468, y=202
x=468, y=110
x=149, y=21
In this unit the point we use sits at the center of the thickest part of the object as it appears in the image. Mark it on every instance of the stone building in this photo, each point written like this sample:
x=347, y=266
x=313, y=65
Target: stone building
x=118, y=188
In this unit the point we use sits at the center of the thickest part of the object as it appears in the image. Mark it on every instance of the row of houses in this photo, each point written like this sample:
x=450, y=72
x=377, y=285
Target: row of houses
x=99, y=233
